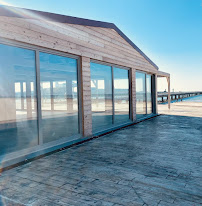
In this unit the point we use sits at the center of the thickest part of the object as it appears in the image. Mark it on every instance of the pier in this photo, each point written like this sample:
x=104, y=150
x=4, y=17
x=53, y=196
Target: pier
x=178, y=96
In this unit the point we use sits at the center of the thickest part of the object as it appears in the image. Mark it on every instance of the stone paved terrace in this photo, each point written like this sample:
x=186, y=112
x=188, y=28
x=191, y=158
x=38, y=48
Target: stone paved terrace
x=191, y=109
x=156, y=162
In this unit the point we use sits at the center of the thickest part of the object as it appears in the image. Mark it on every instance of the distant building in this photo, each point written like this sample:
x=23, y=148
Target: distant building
x=65, y=79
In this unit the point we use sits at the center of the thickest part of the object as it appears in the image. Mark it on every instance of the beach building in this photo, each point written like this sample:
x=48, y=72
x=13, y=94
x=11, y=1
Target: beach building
x=64, y=80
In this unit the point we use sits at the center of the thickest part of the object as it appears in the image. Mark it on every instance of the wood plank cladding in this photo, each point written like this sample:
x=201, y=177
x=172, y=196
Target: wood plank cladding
x=86, y=97
x=133, y=93
x=93, y=42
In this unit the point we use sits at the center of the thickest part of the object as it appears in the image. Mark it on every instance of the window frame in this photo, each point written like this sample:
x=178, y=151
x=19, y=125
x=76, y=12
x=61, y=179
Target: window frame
x=112, y=79
x=37, y=49
x=152, y=89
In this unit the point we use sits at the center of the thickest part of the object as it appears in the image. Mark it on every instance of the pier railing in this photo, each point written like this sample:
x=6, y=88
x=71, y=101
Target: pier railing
x=176, y=96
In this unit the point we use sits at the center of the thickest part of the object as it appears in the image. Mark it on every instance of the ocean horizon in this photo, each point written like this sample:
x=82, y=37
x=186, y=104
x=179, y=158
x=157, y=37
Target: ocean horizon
x=193, y=99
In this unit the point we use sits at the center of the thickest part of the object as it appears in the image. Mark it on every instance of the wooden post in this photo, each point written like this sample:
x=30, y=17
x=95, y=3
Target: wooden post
x=168, y=80
x=86, y=97
x=156, y=94
x=133, y=93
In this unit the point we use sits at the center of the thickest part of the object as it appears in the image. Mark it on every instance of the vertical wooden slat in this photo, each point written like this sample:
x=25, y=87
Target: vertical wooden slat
x=86, y=97
x=133, y=93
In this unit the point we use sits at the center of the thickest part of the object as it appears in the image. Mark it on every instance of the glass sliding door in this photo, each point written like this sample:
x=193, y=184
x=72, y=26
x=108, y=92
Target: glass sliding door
x=140, y=94
x=109, y=96
x=149, y=94
x=143, y=94
x=59, y=102
x=101, y=96
x=18, y=118
x=121, y=95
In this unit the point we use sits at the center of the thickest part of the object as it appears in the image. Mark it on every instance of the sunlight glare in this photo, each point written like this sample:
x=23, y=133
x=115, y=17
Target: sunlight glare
x=5, y=3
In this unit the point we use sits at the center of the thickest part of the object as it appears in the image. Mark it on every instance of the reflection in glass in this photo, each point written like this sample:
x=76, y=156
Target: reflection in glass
x=101, y=96
x=140, y=94
x=121, y=95
x=18, y=118
x=59, y=102
x=149, y=95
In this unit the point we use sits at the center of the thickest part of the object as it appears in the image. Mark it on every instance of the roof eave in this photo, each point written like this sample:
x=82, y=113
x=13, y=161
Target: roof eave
x=10, y=11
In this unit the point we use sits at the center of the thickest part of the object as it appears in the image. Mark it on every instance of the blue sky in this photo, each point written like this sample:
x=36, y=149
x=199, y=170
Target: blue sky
x=168, y=31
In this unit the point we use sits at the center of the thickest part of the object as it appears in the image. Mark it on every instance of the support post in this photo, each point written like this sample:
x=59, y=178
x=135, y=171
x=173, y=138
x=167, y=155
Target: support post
x=168, y=80
x=133, y=94
x=155, y=89
x=86, y=97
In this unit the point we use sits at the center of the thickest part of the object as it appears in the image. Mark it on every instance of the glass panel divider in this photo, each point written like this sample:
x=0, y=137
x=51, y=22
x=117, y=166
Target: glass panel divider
x=79, y=97
x=38, y=99
x=113, y=112
x=130, y=94
x=146, y=92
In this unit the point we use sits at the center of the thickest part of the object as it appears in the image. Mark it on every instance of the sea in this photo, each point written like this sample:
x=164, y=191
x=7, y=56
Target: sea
x=193, y=99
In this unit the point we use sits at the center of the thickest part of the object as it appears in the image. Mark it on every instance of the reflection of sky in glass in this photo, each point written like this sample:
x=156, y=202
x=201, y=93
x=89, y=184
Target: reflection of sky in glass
x=65, y=66
x=100, y=71
x=121, y=80
x=21, y=67
x=140, y=82
x=18, y=125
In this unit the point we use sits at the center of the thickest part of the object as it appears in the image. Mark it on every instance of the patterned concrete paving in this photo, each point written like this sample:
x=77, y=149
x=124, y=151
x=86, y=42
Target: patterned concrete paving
x=156, y=162
x=191, y=109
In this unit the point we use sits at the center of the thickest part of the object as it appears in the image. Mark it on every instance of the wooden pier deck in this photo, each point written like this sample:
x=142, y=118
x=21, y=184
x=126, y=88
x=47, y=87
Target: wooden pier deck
x=178, y=96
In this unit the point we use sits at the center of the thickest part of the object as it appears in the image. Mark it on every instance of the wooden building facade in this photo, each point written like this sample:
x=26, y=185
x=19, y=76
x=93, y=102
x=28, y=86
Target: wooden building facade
x=64, y=80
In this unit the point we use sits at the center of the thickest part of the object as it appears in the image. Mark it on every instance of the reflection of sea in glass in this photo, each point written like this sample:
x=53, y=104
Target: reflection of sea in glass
x=101, y=96
x=140, y=94
x=18, y=119
x=121, y=95
x=149, y=95
x=59, y=102
x=105, y=114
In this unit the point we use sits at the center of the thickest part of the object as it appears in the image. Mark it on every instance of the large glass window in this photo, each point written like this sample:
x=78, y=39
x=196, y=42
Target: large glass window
x=140, y=94
x=109, y=95
x=143, y=94
x=149, y=94
x=121, y=95
x=59, y=103
x=101, y=96
x=19, y=128
x=18, y=118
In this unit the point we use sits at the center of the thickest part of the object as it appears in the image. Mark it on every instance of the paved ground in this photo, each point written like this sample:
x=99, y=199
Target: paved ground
x=191, y=109
x=156, y=162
